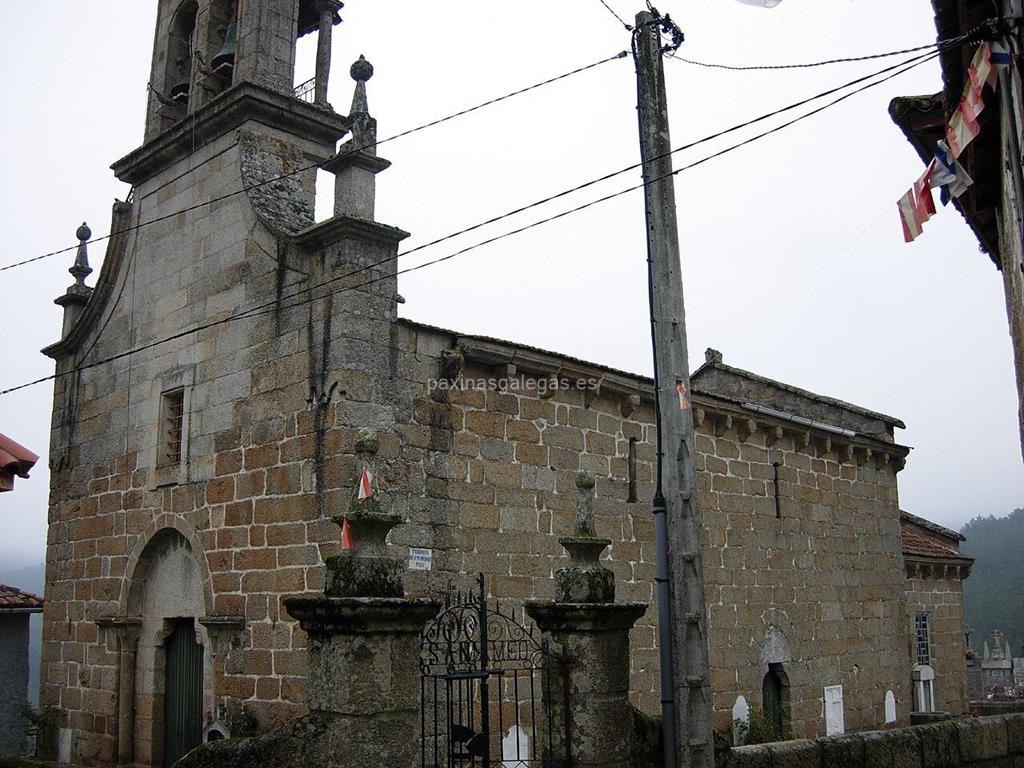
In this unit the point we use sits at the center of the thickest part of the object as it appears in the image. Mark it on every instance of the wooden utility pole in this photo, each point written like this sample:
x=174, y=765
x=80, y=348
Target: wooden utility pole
x=682, y=616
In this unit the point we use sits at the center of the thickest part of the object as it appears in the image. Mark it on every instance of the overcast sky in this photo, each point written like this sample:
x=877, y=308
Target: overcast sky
x=794, y=263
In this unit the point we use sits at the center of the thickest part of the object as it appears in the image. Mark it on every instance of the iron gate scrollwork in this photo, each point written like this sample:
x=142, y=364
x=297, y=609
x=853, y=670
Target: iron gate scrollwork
x=491, y=691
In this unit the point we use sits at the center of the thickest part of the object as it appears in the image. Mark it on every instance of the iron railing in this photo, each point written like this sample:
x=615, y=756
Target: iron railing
x=306, y=91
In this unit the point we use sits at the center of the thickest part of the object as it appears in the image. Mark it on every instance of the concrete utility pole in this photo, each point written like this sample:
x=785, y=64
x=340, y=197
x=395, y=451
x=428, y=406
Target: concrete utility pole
x=682, y=617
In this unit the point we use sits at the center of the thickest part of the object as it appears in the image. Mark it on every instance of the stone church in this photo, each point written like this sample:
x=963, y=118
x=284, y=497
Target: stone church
x=214, y=381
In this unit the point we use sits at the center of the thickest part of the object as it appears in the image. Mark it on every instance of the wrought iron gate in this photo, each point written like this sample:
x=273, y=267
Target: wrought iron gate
x=491, y=692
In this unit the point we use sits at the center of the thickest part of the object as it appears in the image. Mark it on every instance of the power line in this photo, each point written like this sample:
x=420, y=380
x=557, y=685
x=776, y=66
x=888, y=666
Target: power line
x=424, y=126
x=276, y=305
x=759, y=67
x=616, y=15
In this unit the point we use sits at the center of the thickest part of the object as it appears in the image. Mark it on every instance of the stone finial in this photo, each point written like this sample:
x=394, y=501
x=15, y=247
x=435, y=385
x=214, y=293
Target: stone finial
x=77, y=295
x=366, y=442
x=81, y=269
x=356, y=163
x=712, y=355
x=585, y=505
x=361, y=70
x=364, y=127
x=584, y=580
x=367, y=569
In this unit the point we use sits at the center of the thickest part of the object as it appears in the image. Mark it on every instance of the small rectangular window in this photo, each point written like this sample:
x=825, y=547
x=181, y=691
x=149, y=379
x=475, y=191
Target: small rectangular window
x=172, y=408
x=921, y=639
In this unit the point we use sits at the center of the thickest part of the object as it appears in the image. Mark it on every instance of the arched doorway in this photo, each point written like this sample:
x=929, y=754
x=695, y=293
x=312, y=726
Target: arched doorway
x=172, y=665
x=775, y=701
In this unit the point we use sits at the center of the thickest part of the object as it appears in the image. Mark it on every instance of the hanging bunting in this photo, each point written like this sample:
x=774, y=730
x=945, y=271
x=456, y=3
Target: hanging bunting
x=346, y=536
x=917, y=205
x=684, y=401
x=365, y=485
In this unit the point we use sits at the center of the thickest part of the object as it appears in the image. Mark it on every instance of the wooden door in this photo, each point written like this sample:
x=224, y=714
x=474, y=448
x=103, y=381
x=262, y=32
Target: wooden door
x=183, y=692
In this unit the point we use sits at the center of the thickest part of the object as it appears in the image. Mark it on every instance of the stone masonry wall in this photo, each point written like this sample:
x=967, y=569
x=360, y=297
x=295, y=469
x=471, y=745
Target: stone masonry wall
x=487, y=480
x=987, y=742
x=943, y=600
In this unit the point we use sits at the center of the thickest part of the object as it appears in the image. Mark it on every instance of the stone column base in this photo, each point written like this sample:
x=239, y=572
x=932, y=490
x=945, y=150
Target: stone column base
x=594, y=638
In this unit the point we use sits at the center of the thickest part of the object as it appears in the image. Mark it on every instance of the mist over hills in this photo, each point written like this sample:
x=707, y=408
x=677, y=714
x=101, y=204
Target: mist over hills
x=994, y=592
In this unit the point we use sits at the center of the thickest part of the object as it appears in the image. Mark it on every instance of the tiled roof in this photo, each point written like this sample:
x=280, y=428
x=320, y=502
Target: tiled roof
x=15, y=601
x=916, y=544
x=15, y=459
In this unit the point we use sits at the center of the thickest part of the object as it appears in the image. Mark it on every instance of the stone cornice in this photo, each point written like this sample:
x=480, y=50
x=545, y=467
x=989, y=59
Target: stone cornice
x=716, y=415
x=918, y=567
x=229, y=110
x=341, y=227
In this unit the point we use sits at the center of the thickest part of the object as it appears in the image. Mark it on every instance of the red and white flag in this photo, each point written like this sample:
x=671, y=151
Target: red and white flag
x=960, y=132
x=924, y=203
x=908, y=216
x=346, y=536
x=684, y=401
x=365, y=485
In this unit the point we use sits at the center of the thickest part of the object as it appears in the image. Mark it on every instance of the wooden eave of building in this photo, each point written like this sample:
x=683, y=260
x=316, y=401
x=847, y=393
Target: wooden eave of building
x=225, y=112
x=710, y=409
x=923, y=121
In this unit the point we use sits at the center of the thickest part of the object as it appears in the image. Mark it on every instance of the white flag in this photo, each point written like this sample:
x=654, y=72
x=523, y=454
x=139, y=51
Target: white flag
x=761, y=3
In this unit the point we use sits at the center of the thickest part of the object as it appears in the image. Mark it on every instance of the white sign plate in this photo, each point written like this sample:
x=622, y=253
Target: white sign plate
x=420, y=559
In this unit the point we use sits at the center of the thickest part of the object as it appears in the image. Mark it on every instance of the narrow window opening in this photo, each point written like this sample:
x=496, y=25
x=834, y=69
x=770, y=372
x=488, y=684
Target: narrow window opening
x=922, y=641
x=775, y=483
x=632, y=470
x=172, y=409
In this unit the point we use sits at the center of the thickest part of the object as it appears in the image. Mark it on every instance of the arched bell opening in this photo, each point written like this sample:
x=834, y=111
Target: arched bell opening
x=221, y=46
x=177, y=90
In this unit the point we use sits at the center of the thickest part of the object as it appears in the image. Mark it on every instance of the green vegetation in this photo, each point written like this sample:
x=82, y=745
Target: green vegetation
x=761, y=729
x=994, y=592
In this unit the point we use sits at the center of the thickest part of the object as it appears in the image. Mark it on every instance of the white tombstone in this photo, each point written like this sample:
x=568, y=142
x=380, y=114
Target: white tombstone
x=64, y=739
x=740, y=721
x=834, y=724
x=515, y=748
x=890, y=707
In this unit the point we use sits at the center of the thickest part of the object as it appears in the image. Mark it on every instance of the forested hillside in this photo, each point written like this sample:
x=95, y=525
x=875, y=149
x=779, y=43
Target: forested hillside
x=994, y=593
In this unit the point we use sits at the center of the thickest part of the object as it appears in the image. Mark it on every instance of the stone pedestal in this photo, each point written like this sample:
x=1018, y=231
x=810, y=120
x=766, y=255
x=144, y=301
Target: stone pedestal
x=363, y=677
x=594, y=639
x=593, y=634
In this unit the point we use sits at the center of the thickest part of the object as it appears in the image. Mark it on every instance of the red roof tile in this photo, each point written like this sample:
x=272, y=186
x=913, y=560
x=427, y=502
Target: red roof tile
x=15, y=601
x=916, y=544
x=15, y=459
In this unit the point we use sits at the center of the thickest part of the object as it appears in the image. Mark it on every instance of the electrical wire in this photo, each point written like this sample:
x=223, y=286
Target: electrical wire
x=276, y=305
x=767, y=67
x=616, y=15
x=304, y=169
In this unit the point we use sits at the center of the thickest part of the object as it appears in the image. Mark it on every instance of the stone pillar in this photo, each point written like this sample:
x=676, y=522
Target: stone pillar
x=593, y=632
x=126, y=634
x=323, y=51
x=356, y=165
x=363, y=669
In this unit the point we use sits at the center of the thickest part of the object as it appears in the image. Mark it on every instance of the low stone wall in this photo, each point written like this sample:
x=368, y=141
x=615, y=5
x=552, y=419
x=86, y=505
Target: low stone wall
x=996, y=707
x=986, y=742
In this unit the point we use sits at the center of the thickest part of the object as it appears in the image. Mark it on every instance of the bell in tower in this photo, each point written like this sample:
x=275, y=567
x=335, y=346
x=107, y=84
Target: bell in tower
x=223, y=64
